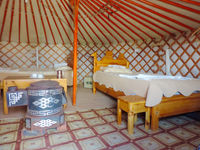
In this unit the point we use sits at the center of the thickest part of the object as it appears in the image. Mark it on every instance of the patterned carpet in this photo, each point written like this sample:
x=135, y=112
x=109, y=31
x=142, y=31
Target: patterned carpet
x=98, y=129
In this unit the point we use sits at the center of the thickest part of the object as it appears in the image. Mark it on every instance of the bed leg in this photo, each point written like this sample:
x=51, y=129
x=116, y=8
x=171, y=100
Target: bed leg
x=94, y=90
x=155, y=119
x=147, y=118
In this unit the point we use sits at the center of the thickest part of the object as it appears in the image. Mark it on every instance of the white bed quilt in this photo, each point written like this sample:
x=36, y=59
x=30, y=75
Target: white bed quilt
x=153, y=87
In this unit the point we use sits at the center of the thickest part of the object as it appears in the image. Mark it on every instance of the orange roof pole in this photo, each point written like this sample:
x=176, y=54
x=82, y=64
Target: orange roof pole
x=75, y=51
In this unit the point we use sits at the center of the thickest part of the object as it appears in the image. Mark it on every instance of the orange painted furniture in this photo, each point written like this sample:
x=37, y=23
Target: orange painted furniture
x=132, y=104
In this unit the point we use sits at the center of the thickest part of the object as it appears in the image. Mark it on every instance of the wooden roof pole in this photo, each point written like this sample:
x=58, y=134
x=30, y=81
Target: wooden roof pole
x=191, y=2
x=145, y=13
x=107, y=23
x=34, y=21
x=133, y=15
x=181, y=6
x=27, y=27
x=75, y=50
x=48, y=22
x=94, y=8
x=169, y=10
x=164, y=16
x=19, y=20
x=4, y=19
x=45, y=33
x=11, y=20
x=59, y=5
x=98, y=21
x=96, y=27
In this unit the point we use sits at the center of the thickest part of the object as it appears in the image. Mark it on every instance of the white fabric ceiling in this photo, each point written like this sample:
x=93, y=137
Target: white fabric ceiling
x=100, y=21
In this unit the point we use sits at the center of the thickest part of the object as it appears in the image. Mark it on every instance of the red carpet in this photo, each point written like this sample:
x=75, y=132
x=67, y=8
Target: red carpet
x=97, y=129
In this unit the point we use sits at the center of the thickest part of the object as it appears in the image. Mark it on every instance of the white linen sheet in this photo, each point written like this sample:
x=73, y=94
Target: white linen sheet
x=149, y=77
x=153, y=87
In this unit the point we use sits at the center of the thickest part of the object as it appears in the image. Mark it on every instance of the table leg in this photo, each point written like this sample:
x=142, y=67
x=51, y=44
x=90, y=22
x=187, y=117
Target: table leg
x=5, y=106
x=130, y=122
x=135, y=117
x=65, y=106
x=65, y=89
x=63, y=83
x=119, y=113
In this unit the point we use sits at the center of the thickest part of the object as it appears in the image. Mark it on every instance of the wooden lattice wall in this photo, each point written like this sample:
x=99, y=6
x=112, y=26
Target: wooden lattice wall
x=23, y=55
x=148, y=56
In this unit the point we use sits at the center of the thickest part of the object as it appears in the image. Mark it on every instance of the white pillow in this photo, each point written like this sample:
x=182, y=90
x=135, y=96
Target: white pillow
x=117, y=66
x=116, y=70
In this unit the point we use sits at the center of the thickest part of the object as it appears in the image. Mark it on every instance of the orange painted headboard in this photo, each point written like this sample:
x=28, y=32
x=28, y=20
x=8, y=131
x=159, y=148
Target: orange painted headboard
x=109, y=60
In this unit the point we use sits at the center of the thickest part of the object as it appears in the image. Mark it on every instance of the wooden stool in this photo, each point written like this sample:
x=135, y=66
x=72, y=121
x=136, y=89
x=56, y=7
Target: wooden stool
x=132, y=104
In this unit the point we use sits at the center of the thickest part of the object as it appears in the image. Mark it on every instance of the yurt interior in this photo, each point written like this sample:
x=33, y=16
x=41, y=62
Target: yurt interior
x=99, y=74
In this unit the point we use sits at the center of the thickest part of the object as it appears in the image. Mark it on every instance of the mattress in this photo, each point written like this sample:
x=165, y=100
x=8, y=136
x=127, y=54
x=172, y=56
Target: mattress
x=153, y=87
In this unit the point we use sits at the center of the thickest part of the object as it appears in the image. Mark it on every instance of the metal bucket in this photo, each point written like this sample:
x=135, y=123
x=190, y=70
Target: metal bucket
x=44, y=98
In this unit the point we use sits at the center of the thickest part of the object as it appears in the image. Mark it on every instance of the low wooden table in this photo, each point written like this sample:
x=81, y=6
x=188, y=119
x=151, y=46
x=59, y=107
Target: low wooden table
x=23, y=82
x=132, y=104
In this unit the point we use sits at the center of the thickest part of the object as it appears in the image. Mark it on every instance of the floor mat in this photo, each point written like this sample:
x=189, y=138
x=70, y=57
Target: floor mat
x=98, y=129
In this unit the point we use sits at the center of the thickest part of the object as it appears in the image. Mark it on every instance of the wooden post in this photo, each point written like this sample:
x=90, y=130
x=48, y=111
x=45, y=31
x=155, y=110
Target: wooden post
x=75, y=52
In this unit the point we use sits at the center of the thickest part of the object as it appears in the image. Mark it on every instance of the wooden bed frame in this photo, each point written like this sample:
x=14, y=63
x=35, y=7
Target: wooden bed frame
x=169, y=106
x=108, y=60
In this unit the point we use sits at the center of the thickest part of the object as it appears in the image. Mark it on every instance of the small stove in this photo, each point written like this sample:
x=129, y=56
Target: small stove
x=45, y=106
